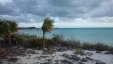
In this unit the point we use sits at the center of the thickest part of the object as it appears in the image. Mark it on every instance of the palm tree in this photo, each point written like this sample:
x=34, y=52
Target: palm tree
x=46, y=27
x=2, y=28
x=7, y=28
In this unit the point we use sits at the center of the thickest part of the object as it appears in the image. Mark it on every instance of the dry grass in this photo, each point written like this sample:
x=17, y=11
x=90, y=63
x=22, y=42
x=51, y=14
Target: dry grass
x=3, y=53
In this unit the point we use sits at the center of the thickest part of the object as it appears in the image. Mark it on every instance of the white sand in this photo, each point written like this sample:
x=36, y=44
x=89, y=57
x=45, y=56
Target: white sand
x=34, y=58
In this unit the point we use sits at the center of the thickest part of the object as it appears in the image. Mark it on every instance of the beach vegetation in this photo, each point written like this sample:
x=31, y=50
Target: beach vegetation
x=7, y=29
x=46, y=27
x=77, y=51
x=10, y=37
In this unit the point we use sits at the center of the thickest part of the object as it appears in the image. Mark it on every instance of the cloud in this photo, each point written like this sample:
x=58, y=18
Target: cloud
x=23, y=18
x=75, y=22
x=105, y=9
x=60, y=10
x=7, y=8
x=62, y=3
x=4, y=2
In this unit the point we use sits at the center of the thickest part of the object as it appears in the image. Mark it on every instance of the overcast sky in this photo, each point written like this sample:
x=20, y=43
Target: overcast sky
x=65, y=13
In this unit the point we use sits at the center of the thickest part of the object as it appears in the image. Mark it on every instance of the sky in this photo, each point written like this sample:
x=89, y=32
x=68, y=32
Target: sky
x=65, y=13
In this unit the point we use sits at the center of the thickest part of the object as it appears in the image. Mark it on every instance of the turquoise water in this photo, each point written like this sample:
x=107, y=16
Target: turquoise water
x=92, y=35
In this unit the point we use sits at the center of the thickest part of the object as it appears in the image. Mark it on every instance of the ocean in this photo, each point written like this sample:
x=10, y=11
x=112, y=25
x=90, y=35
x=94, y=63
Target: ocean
x=91, y=35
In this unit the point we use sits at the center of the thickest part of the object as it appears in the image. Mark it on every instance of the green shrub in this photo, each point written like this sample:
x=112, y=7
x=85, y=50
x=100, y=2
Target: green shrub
x=101, y=47
x=18, y=39
x=86, y=45
x=57, y=37
x=77, y=51
x=35, y=42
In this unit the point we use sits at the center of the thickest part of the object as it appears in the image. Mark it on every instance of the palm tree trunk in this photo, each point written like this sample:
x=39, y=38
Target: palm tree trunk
x=9, y=39
x=0, y=43
x=43, y=40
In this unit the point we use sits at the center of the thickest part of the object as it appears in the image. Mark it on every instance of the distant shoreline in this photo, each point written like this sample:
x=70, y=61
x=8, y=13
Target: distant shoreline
x=22, y=28
x=25, y=28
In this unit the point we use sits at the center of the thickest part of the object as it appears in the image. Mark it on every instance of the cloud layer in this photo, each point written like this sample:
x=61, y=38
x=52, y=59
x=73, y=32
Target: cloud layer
x=27, y=11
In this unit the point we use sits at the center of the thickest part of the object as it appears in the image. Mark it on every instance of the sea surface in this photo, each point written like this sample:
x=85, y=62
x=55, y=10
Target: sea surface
x=91, y=35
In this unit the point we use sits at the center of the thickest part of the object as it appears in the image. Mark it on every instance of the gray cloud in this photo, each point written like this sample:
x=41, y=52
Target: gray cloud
x=8, y=9
x=61, y=3
x=35, y=10
x=105, y=9
x=25, y=6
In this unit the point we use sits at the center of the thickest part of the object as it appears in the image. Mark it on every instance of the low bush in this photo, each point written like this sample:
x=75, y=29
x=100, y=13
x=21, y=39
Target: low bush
x=77, y=51
x=56, y=40
x=57, y=37
x=87, y=45
x=101, y=47
x=35, y=42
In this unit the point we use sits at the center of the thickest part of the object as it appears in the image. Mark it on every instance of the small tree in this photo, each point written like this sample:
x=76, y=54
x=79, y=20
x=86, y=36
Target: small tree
x=7, y=28
x=46, y=27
